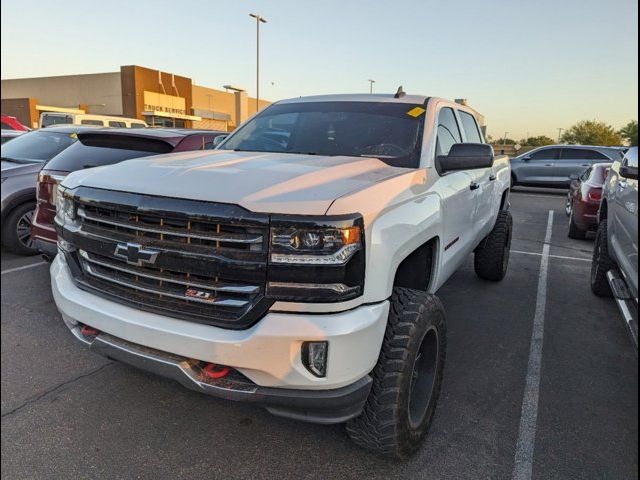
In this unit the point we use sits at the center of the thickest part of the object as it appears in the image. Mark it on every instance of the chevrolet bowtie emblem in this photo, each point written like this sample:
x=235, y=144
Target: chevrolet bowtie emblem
x=135, y=254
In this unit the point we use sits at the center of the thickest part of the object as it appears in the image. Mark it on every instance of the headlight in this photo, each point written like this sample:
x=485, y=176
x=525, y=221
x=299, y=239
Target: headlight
x=65, y=209
x=314, y=246
x=318, y=259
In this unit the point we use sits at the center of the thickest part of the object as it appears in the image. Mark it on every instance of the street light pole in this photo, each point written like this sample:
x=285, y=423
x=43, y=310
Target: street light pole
x=504, y=140
x=371, y=82
x=560, y=133
x=259, y=20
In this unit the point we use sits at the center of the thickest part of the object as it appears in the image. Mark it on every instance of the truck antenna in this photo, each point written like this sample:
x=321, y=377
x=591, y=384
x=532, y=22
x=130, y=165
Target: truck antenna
x=399, y=93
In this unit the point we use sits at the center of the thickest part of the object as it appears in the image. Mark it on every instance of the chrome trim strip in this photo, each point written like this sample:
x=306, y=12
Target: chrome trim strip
x=223, y=303
x=249, y=289
x=202, y=236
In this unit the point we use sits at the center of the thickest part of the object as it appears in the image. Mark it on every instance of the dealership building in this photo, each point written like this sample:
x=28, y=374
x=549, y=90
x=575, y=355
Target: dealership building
x=159, y=98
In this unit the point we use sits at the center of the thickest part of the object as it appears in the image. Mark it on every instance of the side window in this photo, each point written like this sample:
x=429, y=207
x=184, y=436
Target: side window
x=470, y=127
x=138, y=125
x=595, y=155
x=631, y=158
x=6, y=126
x=574, y=154
x=117, y=124
x=448, y=132
x=545, y=154
x=587, y=173
x=91, y=122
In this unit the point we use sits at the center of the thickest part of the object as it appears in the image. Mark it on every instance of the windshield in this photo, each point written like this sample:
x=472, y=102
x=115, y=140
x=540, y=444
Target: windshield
x=36, y=146
x=391, y=132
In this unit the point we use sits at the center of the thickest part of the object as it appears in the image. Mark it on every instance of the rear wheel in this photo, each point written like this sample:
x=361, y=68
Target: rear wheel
x=574, y=230
x=601, y=262
x=568, y=206
x=16, y=230
x=491, y=257
x=407, y=377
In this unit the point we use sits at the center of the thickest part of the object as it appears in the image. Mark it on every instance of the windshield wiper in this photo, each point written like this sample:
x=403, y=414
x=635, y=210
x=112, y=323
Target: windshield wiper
x=14, y=160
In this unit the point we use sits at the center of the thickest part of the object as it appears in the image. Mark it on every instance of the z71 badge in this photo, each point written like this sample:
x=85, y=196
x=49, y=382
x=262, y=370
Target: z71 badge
x=193, y=293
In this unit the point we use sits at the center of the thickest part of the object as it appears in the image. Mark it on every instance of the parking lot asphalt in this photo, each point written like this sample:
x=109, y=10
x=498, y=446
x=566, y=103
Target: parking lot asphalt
x=67, y=413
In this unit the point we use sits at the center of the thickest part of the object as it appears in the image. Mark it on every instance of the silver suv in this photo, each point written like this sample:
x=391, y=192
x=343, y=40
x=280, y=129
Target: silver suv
x=554, y=165
x=614, y=269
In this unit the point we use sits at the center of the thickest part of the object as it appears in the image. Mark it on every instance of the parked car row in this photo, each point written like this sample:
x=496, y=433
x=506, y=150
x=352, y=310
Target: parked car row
x=553, y=166
x=34, y=163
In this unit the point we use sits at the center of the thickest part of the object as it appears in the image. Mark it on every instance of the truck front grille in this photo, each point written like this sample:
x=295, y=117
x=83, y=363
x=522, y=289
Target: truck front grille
x=199, y=261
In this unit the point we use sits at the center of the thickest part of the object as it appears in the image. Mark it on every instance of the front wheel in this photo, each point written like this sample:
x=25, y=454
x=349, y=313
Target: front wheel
x=407, y=377
x=491, y=257
x=16, y=230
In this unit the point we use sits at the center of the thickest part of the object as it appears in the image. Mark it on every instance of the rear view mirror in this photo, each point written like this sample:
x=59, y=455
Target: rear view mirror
x=629, y=172
x=466, y=156
x=218, y=140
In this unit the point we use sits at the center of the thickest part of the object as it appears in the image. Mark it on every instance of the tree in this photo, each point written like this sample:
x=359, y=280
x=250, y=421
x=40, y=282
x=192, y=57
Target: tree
x=630, y=133
x=503, y=141
x=539, y=141
x=590, y=132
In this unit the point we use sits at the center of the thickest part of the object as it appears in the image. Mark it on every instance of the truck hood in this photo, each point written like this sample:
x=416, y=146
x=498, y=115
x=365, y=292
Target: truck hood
x=260, y=182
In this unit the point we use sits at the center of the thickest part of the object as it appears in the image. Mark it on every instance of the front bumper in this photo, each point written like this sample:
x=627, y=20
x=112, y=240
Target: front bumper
x=268, y=353
x=317, y=406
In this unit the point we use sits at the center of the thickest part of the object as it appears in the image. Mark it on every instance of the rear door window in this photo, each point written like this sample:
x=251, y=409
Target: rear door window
x=117, y=124
x=470, y=127
x=48, y=120
x=91, y=122
x=448, y=132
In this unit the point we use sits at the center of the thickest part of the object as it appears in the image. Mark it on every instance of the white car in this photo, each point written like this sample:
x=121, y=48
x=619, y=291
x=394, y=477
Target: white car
x=296, y=266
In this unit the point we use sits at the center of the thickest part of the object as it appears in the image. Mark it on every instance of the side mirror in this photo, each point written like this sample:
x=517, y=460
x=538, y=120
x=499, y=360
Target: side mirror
x=629, y=172
x=526, y=158
x=466, y=156
x=218, y=140
x=574, y=176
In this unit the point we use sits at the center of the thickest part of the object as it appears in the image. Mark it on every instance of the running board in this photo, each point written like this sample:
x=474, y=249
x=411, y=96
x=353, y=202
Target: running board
x=627, y=305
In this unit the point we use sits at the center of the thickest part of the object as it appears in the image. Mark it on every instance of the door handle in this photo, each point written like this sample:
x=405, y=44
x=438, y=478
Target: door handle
x=474, y=186
x=548, y=164
x=585, y=165
x=492, y=178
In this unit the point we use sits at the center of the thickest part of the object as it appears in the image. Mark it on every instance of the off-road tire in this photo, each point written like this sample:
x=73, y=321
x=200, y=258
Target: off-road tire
x=601, y=262
x=9, y=233
x=575, y=231
x=385, y=425
x=491, y=257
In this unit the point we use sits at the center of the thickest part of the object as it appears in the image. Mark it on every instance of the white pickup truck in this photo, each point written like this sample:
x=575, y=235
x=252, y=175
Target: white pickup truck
x=295, y=267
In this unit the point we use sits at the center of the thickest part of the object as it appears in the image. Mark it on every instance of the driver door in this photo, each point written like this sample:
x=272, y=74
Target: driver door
x=459, y=200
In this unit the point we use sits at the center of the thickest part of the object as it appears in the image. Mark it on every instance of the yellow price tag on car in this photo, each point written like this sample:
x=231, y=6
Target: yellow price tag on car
x=416, y=112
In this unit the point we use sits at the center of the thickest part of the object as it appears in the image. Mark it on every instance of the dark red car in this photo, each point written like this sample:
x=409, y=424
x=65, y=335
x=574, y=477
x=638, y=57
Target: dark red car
x=12, y=123
x=583, y=200
x=99, y=147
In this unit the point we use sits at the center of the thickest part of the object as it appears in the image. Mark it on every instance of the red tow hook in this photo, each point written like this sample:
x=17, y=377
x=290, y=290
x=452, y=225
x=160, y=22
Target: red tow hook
x=88, y=331
x=211, y=370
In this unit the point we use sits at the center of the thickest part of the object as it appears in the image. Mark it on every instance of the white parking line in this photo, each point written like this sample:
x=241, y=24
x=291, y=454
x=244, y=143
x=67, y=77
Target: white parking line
x=523, y=463
x=562, y=257
x=24, y=267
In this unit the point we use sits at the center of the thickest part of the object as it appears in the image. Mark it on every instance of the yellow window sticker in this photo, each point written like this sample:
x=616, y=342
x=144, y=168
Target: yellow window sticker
x=73, y=135
x=416, y=111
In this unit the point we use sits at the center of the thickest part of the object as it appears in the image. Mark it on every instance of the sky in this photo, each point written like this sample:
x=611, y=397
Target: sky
x=529, y=67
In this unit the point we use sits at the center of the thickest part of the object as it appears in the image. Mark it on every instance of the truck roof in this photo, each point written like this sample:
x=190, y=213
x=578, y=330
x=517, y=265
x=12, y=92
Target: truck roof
x=359, y=97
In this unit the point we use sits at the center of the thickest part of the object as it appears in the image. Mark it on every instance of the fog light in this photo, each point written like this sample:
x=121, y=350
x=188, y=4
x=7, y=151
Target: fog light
x=314, y=357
